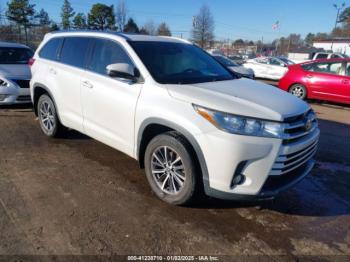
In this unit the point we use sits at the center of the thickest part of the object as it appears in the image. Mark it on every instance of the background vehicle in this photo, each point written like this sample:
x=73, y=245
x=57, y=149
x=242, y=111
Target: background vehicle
x=326, y=79
x=267, y=67
x=14, y=73
x=302, y=58
x=235, y=68
x=167, y=103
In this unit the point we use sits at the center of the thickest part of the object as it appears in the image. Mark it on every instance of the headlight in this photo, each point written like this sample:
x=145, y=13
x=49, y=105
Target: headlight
x=241, y=125
x=4, y=83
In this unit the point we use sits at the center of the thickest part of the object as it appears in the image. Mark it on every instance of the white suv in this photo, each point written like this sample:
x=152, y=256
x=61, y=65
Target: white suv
x=189, y=122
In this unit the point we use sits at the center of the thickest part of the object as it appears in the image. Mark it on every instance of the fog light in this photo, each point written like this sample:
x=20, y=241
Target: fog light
x=3, y=97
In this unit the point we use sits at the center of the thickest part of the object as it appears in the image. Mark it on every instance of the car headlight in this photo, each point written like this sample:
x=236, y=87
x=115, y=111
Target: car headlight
x=241, y=125
x=4, y=83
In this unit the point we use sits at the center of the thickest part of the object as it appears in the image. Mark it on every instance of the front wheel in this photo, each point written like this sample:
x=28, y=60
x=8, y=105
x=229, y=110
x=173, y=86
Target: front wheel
x=48, y=118
x=170, y=169
x=299, y=91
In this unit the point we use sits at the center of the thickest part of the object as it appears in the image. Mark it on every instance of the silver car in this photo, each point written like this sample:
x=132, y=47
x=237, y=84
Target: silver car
x=14, y=73
x=235, y=68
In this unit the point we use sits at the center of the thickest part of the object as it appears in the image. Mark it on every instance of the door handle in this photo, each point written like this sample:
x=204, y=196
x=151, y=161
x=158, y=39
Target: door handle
x=87, y=84
x=346, y=82
x=53, y=71
x=309, y=76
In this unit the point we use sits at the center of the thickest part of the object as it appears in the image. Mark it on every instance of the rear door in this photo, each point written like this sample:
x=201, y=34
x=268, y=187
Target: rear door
x=326, y=80
x=346, y=84
x=68, y=74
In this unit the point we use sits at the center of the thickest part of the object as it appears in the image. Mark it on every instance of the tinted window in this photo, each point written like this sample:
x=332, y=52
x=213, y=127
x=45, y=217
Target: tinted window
x=179, y=63
x=74, y=50
x=225, y=61
x=321, y=56
x=106, y=52
x=49, y=51
x=274, y=61
x=10, y=55
x=348, y=69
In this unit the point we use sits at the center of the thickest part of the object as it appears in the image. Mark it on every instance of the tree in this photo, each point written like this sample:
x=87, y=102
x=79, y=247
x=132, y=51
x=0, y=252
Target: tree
x=238, y=42
x=203, y=27
x=131, y=26
x=149, y=27
x=309, y=39
x=101, y=17
x=79, y=21
x=22, y=13
x=121, y=14
x=163, y=29
x=54, y=27
x=144, y=31
x=67, y=13
x=43, y=17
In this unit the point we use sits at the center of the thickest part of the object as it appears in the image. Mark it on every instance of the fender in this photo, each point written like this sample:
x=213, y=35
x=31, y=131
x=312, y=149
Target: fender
x=190, y=138
x=35, y=85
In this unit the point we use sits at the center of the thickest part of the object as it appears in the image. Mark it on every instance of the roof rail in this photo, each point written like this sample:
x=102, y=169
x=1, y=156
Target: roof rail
x=90, y=31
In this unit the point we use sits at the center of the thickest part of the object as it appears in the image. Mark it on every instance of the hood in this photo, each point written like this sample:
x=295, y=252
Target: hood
x=242, y=97
x=241, y=70
x=15, y=71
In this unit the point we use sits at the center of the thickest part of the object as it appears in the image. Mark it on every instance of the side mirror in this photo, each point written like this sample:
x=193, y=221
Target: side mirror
x=123, y=70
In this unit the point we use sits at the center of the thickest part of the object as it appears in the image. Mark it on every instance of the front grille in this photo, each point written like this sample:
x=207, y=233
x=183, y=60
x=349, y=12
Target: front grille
x=286, y=163
x=22, y=83
x=23, y=98
x=298, y=127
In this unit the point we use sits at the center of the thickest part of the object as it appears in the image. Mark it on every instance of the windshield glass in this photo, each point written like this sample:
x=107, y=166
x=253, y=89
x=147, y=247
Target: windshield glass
x=225, y=61
x=13, y=55
x=179, y=63
x=286, y=60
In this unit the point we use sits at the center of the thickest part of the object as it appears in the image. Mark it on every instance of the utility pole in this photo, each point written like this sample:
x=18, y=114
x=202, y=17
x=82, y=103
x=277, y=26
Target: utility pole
x=338, y=8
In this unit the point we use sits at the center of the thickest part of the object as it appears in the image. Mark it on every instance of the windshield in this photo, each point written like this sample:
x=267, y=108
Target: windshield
x=13, y=55
x=287, y=61
x=179, y=63
x=224, y=61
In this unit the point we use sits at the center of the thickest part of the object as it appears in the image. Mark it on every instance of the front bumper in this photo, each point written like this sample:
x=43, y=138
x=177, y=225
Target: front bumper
x=14, y=95
x=259, y=161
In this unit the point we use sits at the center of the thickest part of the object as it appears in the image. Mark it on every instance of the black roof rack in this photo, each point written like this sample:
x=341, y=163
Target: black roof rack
x=124, y=35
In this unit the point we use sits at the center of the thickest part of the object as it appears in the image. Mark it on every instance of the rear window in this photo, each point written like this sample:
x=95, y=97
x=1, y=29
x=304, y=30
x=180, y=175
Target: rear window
x=13, y=55
x=50, y=49
x=321, y=56
x=74, y=50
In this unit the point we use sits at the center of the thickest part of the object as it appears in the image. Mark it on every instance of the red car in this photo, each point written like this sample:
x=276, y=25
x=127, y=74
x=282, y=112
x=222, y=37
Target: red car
x=324, y=79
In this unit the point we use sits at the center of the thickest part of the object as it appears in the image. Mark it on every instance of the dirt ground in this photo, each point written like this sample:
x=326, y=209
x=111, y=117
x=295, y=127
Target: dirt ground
x=76, y=196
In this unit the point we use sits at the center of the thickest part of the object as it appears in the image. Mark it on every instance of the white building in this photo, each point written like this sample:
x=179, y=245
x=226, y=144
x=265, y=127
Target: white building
x=338, y=45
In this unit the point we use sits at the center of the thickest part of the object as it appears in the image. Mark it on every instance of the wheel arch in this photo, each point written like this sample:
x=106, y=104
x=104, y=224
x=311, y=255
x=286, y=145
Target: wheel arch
x=38, y=90
x=154, y=126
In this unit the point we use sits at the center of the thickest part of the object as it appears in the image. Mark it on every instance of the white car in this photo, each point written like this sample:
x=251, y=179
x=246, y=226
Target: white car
x=235, y=68
x=14, y=73
x=189, y=122
x=267, y=67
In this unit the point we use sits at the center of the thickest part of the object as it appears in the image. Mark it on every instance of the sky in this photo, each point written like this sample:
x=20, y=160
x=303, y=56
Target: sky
x=246, y=19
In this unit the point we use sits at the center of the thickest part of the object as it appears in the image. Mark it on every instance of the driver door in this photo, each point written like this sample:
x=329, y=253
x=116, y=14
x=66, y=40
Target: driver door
x=109, y=103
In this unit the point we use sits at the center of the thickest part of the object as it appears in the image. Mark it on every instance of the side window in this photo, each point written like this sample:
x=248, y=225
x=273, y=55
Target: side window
x=348, y=69
x=261, y=60
x=74, y=50
x=273, y=61
x=328, y=68
x=335, y=56
x=321, y=56
x=50, y=49
x=106, y=52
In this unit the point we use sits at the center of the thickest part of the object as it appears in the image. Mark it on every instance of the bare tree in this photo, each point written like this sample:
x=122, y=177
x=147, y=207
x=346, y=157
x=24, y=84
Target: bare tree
x=150, y=27
x=203, y=27
x=163, y=29
x=121, y=14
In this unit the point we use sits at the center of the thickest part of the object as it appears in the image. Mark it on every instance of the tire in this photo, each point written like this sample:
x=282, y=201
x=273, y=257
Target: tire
x=176, y=147
x=48, y=118
x=299, y=91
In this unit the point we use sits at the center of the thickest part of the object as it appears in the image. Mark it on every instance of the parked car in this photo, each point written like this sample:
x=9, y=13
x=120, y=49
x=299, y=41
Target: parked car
x=237, y=59
x=189, y=122
x=267, y=67
x=326, y=79
x=305, y=57
x=14, y=73
x=241, y=71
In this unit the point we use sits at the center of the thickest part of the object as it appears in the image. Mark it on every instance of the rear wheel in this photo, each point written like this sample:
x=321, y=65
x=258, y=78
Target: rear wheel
x=48, y=118
x=170, y=169
x=299, y=91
